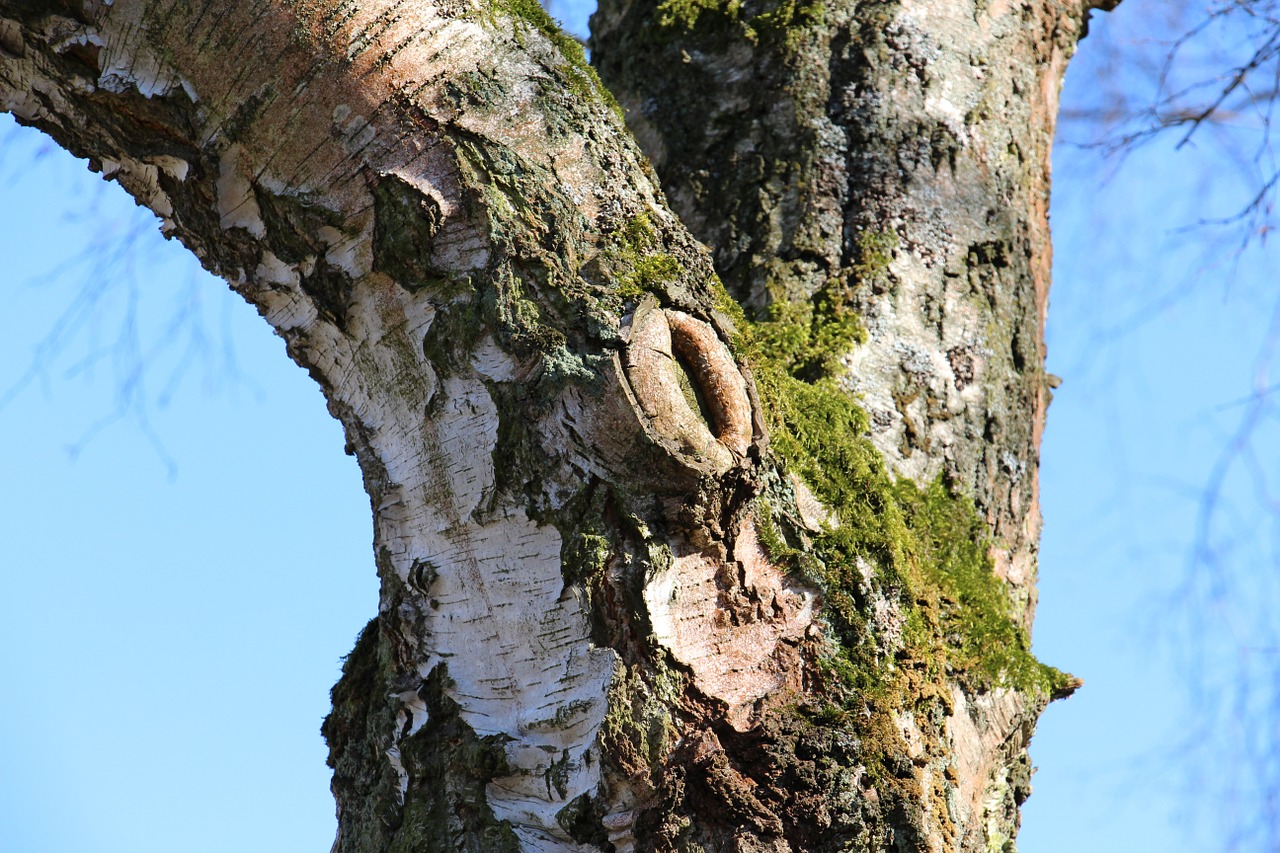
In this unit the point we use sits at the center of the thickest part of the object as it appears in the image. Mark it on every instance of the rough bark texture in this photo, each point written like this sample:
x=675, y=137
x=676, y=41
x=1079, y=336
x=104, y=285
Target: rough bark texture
x=656, y=574
x=891, y=158
x=802, y=148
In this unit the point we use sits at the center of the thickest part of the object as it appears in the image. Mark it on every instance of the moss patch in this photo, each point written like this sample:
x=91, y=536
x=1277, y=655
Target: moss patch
x=875, y=253
x=638, y=730
x=779, y=23
x=405, y=222
x=926, y=548
x=808, y=338
x=581, y=78
x=634, y=261
x=685, y=14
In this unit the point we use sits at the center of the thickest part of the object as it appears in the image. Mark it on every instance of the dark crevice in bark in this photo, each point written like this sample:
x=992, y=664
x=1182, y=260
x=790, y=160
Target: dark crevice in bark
x=363, y=782
x=444, y=754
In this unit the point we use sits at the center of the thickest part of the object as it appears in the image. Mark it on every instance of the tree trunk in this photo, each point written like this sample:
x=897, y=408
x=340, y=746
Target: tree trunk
x=658, y=572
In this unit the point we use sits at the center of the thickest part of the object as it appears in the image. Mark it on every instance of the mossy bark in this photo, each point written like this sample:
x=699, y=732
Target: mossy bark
x=890, y=161
x=658, y=573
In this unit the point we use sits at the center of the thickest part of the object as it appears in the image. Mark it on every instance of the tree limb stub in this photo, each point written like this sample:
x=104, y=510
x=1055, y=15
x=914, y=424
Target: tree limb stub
x=669, y=349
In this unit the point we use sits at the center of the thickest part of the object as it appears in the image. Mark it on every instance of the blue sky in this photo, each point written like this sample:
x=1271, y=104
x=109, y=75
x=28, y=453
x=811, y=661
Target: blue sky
x=176, y=593
x=171, y=618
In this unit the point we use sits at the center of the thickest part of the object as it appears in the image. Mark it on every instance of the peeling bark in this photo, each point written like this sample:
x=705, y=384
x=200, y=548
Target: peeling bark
x=633, y=596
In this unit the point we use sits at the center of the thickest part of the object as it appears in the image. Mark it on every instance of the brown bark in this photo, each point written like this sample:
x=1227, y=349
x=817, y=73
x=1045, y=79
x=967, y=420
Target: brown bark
x=649, y=581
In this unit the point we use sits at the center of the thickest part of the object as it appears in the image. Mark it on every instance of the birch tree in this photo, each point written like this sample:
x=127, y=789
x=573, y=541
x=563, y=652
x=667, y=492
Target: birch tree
x=699, y=414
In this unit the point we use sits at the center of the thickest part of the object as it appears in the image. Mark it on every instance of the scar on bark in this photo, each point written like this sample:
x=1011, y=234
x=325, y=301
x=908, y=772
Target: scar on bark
x=688, y=387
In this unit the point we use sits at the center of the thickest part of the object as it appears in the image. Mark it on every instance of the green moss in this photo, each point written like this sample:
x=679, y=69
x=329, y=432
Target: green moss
x=633, y=260
x=684, y=14
x=653, y=270
x=405, y=222
x=455, y=329
x=638, y=729
x=782, y=24
x=808, y=338
x=971, y=603
x=583, y=820
x=585, y=555
x=582, y=78
x=788, y=21
x=927, y=547
x=639, y=230
x=875, y=253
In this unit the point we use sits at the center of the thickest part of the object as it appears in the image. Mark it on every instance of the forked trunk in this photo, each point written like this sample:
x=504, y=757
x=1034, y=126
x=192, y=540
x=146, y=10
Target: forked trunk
x=658, y=573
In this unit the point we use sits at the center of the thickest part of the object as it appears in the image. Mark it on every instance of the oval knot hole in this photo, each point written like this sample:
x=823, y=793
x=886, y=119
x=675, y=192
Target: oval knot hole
x=718, y=389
